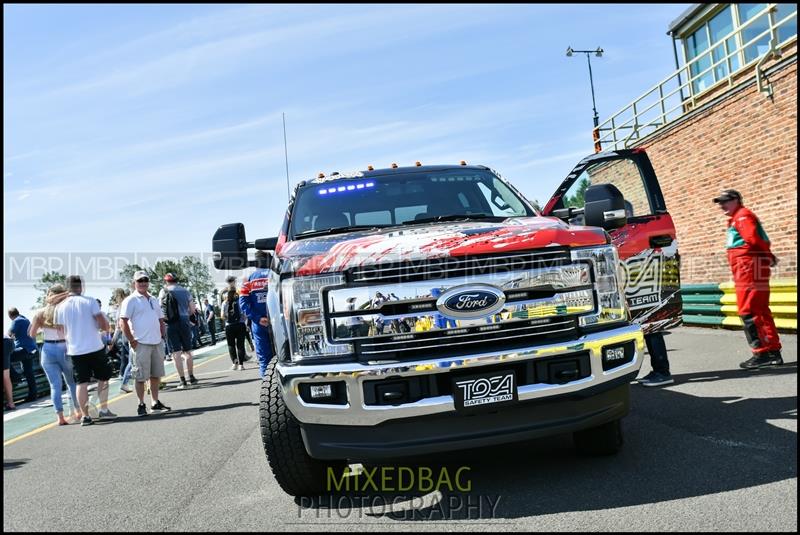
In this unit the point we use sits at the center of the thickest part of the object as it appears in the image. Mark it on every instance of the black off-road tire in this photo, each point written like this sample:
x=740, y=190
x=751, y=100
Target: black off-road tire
x=296, y=472
x=604, y=439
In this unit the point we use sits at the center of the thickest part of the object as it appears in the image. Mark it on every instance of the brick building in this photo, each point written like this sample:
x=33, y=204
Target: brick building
x=726, y=118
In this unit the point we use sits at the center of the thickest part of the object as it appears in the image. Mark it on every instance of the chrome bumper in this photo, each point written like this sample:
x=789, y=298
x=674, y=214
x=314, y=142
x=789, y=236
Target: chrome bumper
x=354, y=374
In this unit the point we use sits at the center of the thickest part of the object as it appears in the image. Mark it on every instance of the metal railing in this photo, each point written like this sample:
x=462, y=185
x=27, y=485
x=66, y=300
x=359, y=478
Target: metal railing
x=678, y=93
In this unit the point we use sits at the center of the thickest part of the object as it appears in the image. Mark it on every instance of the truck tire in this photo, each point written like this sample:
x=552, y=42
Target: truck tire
x=604, y=439
x=296, y=472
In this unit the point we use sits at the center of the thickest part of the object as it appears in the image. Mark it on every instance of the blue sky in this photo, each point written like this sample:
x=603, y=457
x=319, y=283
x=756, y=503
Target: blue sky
x=142, y=128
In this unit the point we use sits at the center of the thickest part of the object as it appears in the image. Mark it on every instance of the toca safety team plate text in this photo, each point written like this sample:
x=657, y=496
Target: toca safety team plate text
x=487, y=390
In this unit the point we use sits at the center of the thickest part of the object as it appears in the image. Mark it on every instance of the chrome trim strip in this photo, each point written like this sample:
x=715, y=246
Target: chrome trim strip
x=354, y=375
x=463, y=342
x=480, y=333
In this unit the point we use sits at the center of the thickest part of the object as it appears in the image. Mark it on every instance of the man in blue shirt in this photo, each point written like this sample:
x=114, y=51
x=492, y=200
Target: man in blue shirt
x=25, y=349
x=210, y=320
x=179, y=327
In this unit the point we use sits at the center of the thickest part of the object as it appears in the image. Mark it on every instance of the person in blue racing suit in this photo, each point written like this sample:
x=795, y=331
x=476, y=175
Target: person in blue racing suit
x=253, y=303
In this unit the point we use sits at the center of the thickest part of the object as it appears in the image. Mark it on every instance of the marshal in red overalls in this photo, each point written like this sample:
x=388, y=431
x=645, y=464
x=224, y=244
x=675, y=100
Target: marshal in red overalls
x=750, y=259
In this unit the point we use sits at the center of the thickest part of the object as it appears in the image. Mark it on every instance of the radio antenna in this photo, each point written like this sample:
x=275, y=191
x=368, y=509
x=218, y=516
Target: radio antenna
x=286, y=155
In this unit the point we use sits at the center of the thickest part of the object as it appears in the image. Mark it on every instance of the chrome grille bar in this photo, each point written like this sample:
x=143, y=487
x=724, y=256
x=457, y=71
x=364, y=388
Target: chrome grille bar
x=454, y=346
x=459, y=337
x=442, y=267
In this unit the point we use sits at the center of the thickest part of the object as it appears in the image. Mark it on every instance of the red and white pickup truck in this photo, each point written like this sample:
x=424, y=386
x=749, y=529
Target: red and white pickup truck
x=431, y=308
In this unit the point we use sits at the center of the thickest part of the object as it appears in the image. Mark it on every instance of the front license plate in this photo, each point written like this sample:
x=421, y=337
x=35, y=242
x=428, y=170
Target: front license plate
x=486, y=390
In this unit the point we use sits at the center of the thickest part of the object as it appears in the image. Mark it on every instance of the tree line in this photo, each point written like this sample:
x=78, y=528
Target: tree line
x=190, y=272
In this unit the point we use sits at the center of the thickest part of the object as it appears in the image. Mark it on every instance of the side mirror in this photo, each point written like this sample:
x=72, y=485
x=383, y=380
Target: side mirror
x=566, y=213
x=229, y=246
x=605, y=207
x=263, y=245
x=266, y=244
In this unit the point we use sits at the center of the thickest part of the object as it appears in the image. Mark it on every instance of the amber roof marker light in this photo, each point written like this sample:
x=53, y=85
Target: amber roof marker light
x=370, y=168
x=321, y=175
x=394, y=166
x=418, y=164
x=463, y=162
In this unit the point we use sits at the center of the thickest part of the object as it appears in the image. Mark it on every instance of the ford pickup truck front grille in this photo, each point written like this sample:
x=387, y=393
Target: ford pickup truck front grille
x=465, y=340
x=447, y=267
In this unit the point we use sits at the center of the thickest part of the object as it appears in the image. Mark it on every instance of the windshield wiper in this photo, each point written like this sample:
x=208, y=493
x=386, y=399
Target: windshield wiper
x=459, y=217
x=337, y=230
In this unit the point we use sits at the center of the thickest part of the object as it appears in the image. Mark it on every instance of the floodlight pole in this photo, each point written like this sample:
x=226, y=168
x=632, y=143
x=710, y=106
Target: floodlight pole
x=596, y=119
x=591, y=83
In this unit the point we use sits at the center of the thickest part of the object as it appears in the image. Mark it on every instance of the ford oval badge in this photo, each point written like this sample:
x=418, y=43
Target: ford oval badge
x=470, y=301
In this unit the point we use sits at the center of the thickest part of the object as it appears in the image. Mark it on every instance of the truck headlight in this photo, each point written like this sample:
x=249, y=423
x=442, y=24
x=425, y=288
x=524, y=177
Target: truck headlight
x=611, y=305
x=302, y=298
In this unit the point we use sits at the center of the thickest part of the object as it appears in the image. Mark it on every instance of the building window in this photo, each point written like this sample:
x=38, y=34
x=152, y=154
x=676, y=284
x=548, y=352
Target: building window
x=713, y=44
x=756, y=48
x=712, y=35
x=723, y=51
x=789, y=28
x=696, y=45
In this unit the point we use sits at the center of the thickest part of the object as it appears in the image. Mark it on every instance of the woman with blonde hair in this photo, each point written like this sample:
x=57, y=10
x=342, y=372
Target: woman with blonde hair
x=55, y=361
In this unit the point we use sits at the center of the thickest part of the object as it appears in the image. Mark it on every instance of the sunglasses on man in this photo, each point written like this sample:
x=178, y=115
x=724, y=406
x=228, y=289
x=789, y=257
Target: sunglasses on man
x=143, y=280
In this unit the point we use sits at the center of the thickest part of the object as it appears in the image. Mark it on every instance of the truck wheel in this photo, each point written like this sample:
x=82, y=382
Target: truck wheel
x=604, y=439
x=296, y=472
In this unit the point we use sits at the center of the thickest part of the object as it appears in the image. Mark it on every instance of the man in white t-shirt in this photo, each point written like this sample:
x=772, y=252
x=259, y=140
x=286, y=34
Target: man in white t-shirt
x=83, y=321
x=142, y=321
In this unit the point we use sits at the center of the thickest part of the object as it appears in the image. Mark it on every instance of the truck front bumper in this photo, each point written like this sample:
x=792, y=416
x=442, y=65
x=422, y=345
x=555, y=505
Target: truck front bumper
x=423, y=435
x=357, y=413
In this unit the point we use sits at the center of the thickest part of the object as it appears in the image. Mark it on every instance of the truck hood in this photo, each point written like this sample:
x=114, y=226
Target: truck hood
x=336, y=253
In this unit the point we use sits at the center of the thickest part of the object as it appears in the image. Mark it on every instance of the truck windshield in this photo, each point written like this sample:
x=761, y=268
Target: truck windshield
x=389, y=200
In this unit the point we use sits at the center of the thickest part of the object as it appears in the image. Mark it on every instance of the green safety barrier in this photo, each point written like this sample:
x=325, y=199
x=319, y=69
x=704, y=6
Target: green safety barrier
x=715, y=304
x=20, y=390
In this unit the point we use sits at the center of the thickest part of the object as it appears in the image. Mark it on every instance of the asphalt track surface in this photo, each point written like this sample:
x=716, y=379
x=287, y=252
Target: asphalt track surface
x=716, y=451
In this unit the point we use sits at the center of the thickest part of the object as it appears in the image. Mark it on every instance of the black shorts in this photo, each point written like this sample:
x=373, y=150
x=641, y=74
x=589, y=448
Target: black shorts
x=91, y=365
x=179, y=335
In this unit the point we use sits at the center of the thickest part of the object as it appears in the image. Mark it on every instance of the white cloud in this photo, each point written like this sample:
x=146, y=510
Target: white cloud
x=216, y=54
x=24, y=155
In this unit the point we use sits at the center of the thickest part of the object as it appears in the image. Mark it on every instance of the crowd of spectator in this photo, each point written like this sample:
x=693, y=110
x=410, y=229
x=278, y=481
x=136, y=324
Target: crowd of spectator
x=79, y=342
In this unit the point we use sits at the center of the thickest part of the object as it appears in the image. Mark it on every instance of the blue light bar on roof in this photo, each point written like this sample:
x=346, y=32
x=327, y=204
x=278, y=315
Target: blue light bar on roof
x=350, y=187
